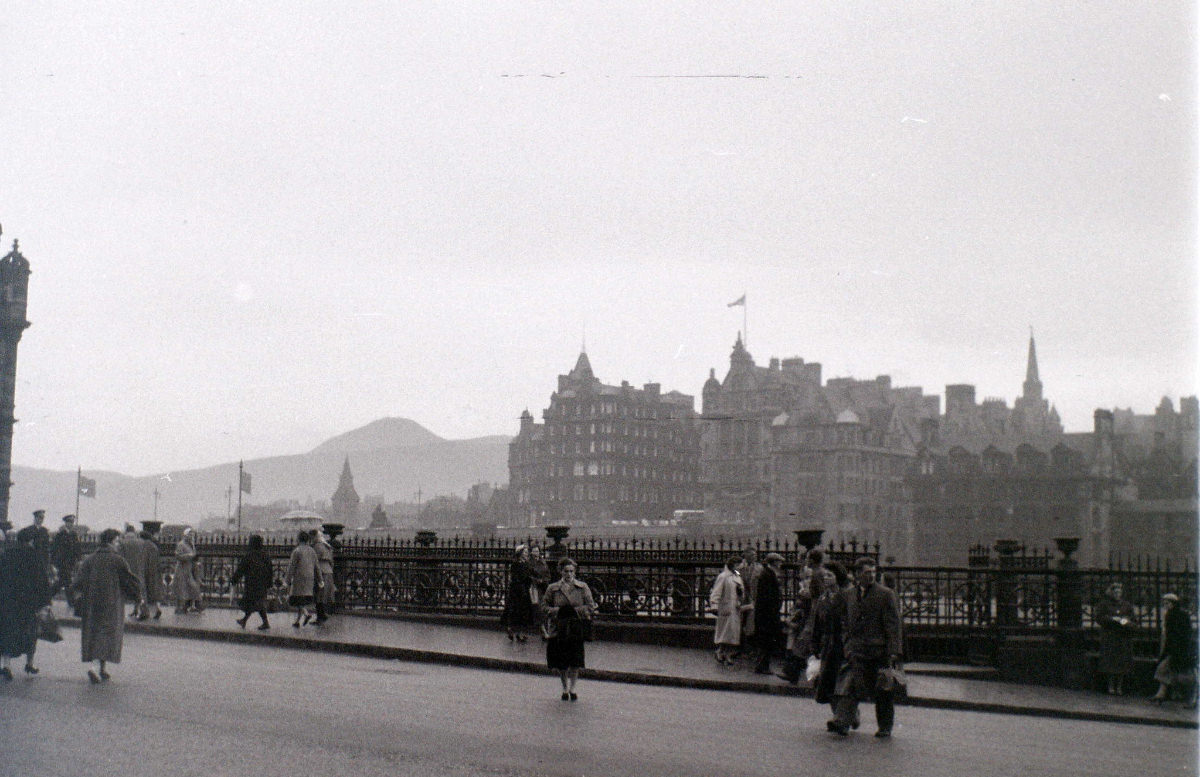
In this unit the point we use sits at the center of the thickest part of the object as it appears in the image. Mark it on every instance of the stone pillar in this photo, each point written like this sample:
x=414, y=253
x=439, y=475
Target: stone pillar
x=1070, y=585
x=1006, y=584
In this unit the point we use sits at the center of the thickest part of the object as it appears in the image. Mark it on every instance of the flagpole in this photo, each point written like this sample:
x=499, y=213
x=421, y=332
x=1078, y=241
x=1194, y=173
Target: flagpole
x=745, y=321
x=240, y=464
x=78, y=476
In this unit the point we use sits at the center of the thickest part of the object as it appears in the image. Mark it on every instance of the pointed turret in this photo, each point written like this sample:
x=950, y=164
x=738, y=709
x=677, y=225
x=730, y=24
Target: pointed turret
x=583, y=367
x=1032, y=388
x=345, y=499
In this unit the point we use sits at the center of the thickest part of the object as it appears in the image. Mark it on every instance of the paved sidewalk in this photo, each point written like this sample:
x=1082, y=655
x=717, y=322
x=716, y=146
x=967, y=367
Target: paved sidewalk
x=930, y=685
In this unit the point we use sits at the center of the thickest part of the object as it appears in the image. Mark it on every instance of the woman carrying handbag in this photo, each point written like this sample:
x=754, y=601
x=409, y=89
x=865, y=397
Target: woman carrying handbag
x=568, y=608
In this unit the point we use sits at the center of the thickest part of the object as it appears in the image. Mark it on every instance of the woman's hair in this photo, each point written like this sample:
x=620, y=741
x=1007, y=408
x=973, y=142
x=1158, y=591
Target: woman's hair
x=303, y=537
x=256, y=541
x=839, y=572
x=566, y=561
x=1114, y=584
x=108, y=535
x=517, y=551
x=732, y=562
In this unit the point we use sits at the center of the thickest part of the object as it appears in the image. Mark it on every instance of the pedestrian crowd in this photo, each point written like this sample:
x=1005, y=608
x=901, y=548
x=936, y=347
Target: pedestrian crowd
x=842, y=633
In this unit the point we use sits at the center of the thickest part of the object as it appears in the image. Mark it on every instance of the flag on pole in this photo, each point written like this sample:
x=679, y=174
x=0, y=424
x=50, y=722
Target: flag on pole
x=739, y=301
x=87, y=487
x=245, y=486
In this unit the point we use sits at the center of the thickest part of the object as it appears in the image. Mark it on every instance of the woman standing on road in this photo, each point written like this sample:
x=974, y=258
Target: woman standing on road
x=186, y=589
x=255, y=568
x=101, y=585
x=24, y=590
x=302, y=576
x=726, y=600
x=568, y=607
x=518, y=602
x=1115, y=618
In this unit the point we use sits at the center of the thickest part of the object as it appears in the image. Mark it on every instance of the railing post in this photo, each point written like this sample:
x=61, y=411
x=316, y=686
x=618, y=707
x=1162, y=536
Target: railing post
x=1006, y=584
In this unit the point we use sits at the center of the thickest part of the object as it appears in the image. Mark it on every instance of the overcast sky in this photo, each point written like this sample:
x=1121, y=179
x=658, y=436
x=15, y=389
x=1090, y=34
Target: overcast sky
x=253, y=227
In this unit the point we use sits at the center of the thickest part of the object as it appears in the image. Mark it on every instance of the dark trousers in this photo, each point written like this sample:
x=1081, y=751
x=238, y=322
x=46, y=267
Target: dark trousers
x=865, y=673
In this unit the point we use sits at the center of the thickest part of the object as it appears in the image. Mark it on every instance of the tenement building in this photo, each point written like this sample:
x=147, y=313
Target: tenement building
x=605, y=454
x=782, y=451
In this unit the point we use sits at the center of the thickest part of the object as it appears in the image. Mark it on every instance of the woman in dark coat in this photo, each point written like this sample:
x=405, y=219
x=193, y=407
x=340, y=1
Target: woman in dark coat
x=101, y=585
x=24, y=590
x=255, y=567
x=827, y=639
x=518, y=603
x=1114, y=615
x=568, y=607
x=1177, y=653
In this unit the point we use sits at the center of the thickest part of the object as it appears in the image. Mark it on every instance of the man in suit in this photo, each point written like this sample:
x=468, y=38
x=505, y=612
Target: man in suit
x=767, y=602
x=874, y=642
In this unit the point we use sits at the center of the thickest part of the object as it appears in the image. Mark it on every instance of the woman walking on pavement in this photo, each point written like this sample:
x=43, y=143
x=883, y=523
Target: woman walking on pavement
x=186, y=589
x=302, y=577
x=326, y=589
x=726, y=600
x=101, y=585
x=824, y=636
x=518, y=602
x=255, y=568
x=24, y=591
x=568, y=607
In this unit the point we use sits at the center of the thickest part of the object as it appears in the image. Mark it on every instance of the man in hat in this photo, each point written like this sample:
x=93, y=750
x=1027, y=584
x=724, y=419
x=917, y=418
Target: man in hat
x=133, y=549
x=65, y=552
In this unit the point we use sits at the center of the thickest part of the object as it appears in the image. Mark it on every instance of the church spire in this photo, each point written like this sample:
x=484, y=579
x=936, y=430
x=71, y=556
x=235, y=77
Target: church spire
x=1032, y=388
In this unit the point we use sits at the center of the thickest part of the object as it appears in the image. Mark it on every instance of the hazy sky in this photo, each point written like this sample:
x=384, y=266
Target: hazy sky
x=253, y=227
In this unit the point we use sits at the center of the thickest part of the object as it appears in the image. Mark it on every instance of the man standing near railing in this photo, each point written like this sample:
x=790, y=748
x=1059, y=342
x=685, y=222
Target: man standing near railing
x=873, y=645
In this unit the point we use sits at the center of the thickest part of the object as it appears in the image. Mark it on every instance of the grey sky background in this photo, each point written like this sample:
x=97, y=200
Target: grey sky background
x=256, y=226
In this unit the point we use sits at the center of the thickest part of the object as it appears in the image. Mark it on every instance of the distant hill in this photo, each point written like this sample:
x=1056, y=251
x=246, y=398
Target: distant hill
x=392, y=457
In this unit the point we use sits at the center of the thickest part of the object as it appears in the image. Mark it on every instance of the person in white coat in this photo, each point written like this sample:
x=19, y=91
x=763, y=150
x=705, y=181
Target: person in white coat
x=727, y=600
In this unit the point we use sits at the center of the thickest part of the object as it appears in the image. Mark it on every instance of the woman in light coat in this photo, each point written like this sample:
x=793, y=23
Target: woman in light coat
x=727, y=600
x=185, y=587
x=99, y=589
x=303, y=574
x=569, y=606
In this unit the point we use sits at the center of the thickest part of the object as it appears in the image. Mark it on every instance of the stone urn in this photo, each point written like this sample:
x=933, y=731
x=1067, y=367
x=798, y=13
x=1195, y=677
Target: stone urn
x=1067, y=546
x=334, y=530
x=809, y=538
x=426, y=537
x=557, y=534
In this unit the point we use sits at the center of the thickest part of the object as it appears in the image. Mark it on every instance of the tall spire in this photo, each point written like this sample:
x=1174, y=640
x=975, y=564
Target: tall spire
x=1032, y=388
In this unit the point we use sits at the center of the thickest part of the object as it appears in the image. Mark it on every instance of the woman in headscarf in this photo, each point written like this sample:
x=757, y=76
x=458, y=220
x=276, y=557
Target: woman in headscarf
x=1177, y=652
x=727, y=599
x=186, y=588
x=518, y=603
x=102, y=584
x=24, y=591
x=1114, y=615
x=255, y=568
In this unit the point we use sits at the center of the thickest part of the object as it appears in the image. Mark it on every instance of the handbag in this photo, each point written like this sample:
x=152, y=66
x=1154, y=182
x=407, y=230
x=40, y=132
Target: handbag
x=890, y=679
x=48, y=626
x=813, y=669
x=535, y=596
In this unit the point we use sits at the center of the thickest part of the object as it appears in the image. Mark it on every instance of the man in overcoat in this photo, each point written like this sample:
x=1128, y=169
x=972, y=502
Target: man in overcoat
x=874, y=642
x=768, y=601
x=65, y=553
x=133, y=550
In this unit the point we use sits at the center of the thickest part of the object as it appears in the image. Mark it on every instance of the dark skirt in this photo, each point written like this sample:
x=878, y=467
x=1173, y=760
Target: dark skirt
x=826, y=682
x=300, y=601
x=18, y=633
x=1116, y=652
x=564, y=653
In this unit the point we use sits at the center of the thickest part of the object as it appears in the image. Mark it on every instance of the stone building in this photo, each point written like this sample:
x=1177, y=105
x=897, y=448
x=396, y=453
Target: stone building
x=604, y=454
x=14, y=288
x=782, y=451
x=345, y=502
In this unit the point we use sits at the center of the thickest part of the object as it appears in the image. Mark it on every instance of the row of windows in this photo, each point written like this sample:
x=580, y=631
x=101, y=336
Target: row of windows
x=607, y=427
x=579, y=410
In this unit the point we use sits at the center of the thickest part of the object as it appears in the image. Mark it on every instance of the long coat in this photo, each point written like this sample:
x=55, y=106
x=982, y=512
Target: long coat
x=324, y=553
x=768, y=601
x=1176, y=644
x=151, y=570
x=102, y=584
x=186, y=588
x=64, y=550
x=259, y=574
x=24, y=589
x=1116, y=639
x=727, y=597
x=827, y=642
x=302, y=570
x=133, y=550
x=518, y=604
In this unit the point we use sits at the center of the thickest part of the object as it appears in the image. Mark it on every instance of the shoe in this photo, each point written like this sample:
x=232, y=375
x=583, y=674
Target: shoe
x=573, y=696
x=105, y=676
x=92, y=678
x=296, y=624
x=883, y=733
x=264, y=627
x=511, y=636
x=522, y=638
x=5, y=673
x=565, y=696
x=242, y=621
x=307, y=619
x=31, y=669
x=157, y=614
x=836, y=727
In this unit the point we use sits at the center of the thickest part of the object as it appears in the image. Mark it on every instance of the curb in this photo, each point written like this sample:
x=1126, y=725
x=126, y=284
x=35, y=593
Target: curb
x=389, y=652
